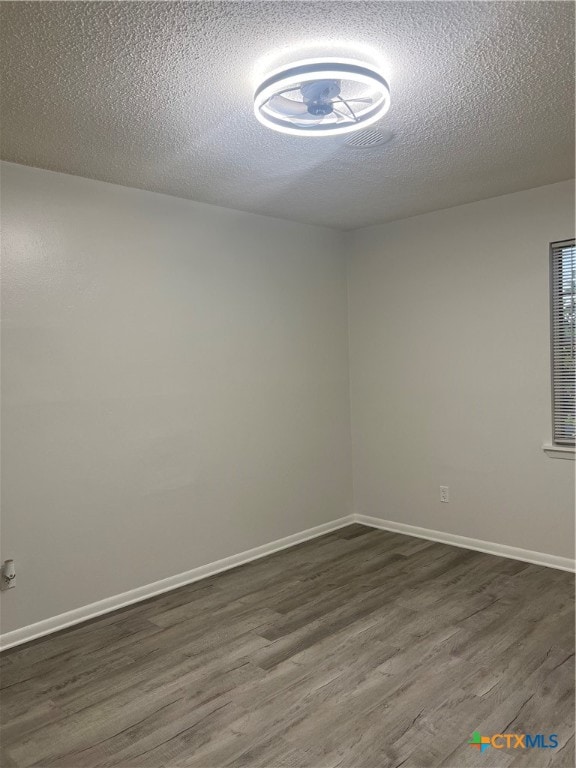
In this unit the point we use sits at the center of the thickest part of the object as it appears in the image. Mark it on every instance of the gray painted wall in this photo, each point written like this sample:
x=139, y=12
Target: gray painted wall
x=175, y=386
x=450, y=371
x=176, y=381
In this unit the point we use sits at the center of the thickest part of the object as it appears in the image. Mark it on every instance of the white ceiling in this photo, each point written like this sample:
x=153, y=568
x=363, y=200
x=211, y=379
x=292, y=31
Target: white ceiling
x=159, y=96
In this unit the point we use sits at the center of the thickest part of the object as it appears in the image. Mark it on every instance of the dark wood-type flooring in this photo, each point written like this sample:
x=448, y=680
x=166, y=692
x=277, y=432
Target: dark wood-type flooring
x=359, y=649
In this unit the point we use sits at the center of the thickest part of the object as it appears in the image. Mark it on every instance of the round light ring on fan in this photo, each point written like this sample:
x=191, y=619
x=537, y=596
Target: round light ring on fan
x=367, y=110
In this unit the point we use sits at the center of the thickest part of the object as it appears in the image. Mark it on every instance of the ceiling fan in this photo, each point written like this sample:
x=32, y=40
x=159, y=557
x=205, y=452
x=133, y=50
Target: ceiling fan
x=322, y=98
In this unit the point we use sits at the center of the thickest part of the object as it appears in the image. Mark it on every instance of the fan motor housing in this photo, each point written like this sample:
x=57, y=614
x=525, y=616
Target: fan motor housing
x=320, y=108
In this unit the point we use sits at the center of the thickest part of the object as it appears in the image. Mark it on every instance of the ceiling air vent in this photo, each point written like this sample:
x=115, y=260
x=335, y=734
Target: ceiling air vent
x=370, y=138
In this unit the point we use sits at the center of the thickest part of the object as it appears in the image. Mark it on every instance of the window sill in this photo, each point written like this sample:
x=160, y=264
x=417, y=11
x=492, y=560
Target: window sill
x=560, y=451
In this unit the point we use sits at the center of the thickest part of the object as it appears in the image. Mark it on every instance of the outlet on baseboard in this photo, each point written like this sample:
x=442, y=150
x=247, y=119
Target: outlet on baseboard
x=444, y=494
x=7, y=575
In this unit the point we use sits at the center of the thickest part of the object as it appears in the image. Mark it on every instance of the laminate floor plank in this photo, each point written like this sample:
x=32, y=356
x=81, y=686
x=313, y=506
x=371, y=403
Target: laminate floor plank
x=358, y=649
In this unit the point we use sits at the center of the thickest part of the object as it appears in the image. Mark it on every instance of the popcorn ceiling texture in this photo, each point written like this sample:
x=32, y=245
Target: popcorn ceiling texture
x=159, y=96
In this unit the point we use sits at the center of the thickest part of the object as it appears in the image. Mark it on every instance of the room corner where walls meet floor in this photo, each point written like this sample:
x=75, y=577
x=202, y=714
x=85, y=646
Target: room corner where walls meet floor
x=114, y=603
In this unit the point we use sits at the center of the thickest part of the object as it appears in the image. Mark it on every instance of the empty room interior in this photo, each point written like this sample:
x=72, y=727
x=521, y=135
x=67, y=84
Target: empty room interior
x=288, y=384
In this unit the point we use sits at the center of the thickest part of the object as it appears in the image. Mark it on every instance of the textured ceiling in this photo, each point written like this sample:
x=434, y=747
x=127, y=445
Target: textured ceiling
x=159, y=96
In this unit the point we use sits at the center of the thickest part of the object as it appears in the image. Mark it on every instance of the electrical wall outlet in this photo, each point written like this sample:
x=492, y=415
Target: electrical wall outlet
x=444, y=494
x=8, y=575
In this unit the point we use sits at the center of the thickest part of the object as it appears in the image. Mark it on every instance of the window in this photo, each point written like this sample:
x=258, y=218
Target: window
x=563, y=284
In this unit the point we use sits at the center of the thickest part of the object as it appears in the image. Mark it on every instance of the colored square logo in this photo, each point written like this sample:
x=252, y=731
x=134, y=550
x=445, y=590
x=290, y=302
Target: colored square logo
x=480, y=742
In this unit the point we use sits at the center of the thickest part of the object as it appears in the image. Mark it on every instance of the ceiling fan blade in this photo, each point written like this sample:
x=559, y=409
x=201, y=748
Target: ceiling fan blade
x=287, y=107
x=341, y=114
x=308, y=119
x=349, y=108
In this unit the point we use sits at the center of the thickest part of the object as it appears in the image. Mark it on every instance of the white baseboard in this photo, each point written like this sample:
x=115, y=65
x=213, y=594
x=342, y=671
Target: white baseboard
x=490, y=547
x=78, y=615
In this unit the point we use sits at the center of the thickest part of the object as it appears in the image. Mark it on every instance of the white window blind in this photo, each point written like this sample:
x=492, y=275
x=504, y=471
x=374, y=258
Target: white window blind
x=563, y=279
